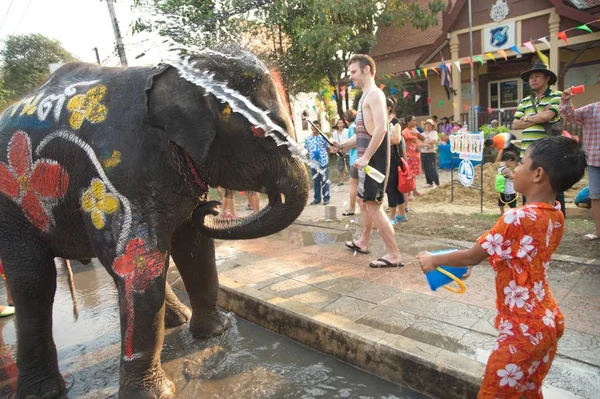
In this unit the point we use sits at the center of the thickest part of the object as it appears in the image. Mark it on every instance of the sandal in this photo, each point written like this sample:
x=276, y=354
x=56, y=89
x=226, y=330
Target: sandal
x=385, y=263
x=590, y=237
x=352, y=245
x=348, y=213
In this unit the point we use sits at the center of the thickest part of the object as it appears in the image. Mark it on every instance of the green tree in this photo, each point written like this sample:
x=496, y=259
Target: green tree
x=25, y=60
x=321, y=35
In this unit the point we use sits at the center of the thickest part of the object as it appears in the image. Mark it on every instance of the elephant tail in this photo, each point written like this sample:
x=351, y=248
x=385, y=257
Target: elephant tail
x=67, y=264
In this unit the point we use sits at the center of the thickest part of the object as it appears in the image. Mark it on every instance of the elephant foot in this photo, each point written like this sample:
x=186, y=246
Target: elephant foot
x=49, y=388
x=157, y=386
x=176, y=316
x=209, y=326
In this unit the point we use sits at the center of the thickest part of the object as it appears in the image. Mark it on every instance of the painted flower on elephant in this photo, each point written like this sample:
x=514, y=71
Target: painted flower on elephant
x=98, y=202
x=35, y=186
x=88, y=106
x=139, y=265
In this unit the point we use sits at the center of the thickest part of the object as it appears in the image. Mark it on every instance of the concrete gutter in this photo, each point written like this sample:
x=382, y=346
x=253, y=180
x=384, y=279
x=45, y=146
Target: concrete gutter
x=433, y=371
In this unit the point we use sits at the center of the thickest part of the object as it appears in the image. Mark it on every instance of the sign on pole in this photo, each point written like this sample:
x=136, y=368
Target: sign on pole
x=466, y=172
x=467, y=145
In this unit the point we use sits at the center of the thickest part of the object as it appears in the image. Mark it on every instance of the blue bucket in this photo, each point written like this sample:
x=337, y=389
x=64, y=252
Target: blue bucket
x=437, y=278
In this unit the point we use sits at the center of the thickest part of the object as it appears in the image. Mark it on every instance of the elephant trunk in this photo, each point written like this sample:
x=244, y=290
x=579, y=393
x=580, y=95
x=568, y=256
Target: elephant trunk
x=287, y=198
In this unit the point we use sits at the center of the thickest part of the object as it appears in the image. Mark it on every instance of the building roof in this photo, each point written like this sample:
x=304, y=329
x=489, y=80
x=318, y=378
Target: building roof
x=585, y=4
x=414, y=43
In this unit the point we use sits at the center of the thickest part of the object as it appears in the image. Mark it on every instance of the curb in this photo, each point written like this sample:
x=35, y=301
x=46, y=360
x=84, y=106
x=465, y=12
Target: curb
x=419, y=366
x=463, y=244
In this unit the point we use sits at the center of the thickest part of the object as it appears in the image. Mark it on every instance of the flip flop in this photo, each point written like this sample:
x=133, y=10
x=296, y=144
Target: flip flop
x=8, y=311
x=590, y=237
x=356, y=248
x=386, y=263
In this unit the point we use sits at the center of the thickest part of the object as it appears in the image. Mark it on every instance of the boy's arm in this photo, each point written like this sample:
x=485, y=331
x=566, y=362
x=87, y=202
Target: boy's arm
x=466, y=257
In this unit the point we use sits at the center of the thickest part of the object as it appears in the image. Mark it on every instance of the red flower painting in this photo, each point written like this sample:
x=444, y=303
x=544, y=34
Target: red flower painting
x=35, y=186
x=137, y=266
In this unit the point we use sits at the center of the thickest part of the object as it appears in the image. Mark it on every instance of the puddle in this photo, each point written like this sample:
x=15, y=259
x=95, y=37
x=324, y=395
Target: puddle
x=304, y=236
x=247, y=362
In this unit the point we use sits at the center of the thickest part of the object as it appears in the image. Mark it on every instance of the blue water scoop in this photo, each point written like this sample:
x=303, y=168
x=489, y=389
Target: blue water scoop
x=445, y=275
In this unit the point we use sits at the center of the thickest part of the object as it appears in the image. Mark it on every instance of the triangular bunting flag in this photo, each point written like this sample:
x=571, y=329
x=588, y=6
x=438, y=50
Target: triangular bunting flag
x=563, y=36
x=419, y=72
x=516, y=50
x=457, y=63
x=469, y=61
x=454, y=104
x=449, y=67
x=413, y=74
x=417, y=97
x=490, y=109
x=429, y=100
x=406, y=94
x=407, y=74
x=425, y=72
x=466, y=108
x=529, y=46
x=584, y=27
x=503, y=54
x=382, y=86
x=441, y=103
x=545, y=41
x=490, y=55
x=541, y=55
x=478, y=58
x=394, y=90
x=478, y=108
x=436, y=71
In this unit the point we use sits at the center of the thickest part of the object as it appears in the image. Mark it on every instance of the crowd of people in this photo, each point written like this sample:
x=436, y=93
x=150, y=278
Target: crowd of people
x=539, y=167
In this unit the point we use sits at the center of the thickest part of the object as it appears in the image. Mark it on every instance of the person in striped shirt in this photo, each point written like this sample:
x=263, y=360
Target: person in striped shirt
x=538, y=109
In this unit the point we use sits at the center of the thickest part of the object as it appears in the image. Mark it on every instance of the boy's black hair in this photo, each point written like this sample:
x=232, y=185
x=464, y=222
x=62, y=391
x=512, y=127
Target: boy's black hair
x=562, y=158
x=488, y=143
x=509, y=156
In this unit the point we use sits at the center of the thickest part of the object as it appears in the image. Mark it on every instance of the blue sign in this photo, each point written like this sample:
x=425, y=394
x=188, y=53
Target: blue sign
x=499, y=36
x=466, y=172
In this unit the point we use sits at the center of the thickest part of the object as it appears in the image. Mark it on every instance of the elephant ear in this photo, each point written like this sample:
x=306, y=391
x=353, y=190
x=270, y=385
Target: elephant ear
x=182, y=110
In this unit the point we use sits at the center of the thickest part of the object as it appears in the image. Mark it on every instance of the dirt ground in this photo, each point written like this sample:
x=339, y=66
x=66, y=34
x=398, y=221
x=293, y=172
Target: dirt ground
x=435, y=216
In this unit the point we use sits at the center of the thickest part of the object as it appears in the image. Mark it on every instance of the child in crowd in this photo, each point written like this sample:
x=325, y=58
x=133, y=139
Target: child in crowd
x=519, y=247
x=506, y=167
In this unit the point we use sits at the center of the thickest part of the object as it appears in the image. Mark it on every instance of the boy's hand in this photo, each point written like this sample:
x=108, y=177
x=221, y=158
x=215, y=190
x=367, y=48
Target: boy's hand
x=426, y=261
x=467, y=274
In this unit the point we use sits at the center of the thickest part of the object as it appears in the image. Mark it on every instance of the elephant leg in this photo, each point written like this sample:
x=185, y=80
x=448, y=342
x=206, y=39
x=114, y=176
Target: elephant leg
x=176, y=313
x=140, y=276
x=194, y=256
x=31, y=276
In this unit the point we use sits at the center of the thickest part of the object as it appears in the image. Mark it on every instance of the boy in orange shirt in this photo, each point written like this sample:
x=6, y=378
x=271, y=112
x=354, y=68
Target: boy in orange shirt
x=519, y=247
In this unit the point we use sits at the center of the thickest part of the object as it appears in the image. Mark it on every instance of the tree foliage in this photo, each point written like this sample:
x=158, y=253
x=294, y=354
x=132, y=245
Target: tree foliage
x=25, y=60
x=309, y=40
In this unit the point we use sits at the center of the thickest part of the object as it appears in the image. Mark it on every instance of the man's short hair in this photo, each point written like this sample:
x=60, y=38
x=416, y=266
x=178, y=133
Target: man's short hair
x=508, y=156
x=488, y=143
x=562, y=158
x=316, y=123
x=363, y=60
x=350, y=115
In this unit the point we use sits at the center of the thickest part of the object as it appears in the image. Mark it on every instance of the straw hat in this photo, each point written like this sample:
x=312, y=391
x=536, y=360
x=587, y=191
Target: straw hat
x=430, y=121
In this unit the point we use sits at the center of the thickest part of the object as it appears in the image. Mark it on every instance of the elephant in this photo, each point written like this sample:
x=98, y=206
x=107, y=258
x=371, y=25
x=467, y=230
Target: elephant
x=115, y=163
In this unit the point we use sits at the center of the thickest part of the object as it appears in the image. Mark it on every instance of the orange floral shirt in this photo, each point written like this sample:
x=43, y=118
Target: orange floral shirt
x=520, y=247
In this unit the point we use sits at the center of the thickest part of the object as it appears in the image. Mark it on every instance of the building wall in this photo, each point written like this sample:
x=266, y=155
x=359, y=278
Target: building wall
x=481, y=11
x=590, y=60
x=437, y=93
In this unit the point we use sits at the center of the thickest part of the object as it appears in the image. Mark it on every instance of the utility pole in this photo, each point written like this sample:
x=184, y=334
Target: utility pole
x=97, y=55
x=115, y=24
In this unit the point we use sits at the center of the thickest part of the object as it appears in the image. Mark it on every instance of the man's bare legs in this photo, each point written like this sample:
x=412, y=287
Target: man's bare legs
x=373, y=214
x=353, y=194
x=596, y=216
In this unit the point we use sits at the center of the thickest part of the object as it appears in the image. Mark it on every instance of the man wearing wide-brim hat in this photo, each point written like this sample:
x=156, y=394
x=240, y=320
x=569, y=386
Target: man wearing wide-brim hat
x=538, y=115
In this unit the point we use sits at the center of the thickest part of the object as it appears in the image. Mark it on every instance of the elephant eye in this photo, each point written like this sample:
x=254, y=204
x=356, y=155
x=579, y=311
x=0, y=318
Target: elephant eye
x=258, y=131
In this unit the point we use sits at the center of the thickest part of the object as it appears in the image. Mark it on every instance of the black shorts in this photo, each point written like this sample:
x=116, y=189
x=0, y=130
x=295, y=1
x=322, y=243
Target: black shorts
x=508, y=199
x=369, y=189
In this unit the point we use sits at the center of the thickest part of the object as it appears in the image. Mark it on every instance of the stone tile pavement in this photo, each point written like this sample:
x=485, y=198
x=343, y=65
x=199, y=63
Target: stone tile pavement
x=307, y=264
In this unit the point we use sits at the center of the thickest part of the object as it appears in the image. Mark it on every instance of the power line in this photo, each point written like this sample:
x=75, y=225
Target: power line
x=6, y=15
x=20, y=20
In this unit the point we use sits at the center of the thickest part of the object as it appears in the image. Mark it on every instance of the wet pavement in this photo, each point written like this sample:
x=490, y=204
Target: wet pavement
x=247, y=362
x=309, y=264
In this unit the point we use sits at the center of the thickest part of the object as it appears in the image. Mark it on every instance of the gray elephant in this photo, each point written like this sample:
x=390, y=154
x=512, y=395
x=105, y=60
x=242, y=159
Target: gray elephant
x=115, y=163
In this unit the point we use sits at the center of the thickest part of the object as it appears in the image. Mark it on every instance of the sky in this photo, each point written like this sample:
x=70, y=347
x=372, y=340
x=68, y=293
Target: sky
x=80, y=25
